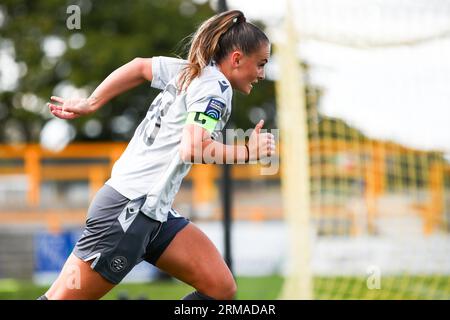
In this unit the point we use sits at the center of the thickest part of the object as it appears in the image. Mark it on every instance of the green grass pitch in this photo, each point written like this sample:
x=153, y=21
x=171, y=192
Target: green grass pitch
x=265, y=288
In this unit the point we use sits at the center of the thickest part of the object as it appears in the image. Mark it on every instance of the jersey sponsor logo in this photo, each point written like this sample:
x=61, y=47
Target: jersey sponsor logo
x=214, y=109
x=118, y=263
x=223, y=85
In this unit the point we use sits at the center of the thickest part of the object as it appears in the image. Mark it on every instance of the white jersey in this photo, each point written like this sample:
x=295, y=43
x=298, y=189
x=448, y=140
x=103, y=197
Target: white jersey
x=151, y=163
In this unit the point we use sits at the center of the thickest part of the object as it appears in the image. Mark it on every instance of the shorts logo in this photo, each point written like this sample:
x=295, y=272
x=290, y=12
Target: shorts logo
x=214, y=109
x=118, y=263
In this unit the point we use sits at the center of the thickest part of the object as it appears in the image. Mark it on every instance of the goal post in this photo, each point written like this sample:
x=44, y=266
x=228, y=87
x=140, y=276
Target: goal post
x=295, y=187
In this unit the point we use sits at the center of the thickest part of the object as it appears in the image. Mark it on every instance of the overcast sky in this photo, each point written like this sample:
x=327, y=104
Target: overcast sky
x=389, y=91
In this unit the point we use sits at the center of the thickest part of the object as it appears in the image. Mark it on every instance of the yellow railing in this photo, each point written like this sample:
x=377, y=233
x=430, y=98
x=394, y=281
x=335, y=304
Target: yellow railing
x=38, y=165
x=37, y=171
x=33, y=157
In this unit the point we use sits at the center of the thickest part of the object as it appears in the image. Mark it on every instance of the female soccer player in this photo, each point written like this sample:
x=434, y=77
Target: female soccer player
x=130, y=219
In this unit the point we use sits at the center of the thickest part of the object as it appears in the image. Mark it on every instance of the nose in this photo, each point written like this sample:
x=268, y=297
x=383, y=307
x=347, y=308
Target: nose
x=262, y=75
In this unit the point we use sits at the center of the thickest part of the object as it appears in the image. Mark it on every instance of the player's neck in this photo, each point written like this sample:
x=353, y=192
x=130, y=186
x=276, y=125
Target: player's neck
x=225, y=70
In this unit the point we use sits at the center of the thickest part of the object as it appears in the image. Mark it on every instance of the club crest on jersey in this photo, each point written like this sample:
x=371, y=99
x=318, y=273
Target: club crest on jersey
x=223, y=85
x=214, y=109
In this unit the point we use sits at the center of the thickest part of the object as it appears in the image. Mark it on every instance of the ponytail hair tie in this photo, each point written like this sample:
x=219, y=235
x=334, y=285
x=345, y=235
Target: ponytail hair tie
x=240, y=19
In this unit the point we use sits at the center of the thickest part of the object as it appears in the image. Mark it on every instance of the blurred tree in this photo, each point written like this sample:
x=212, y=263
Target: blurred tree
x=52, y=59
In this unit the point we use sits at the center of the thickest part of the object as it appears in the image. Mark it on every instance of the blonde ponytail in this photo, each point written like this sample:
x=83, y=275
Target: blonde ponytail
x=210, y=42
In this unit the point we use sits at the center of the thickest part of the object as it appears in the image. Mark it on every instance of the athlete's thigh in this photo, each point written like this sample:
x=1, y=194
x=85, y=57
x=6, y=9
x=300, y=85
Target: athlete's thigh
x=192, y=258
x=77, y=281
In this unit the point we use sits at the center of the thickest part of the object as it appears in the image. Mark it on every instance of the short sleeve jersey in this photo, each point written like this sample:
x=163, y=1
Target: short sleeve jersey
x=151, y=163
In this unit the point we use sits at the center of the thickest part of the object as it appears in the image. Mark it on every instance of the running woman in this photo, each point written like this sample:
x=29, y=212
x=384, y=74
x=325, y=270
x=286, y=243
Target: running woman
x=131, y=218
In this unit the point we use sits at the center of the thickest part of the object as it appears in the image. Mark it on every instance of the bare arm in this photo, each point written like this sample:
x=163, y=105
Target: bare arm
x=123, y=79
x=120, y=80
x=197, y=146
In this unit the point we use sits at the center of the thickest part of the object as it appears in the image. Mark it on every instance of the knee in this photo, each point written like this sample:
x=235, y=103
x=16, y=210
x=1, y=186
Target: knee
x=223, y=288
x=227, y=290
x=231, y=293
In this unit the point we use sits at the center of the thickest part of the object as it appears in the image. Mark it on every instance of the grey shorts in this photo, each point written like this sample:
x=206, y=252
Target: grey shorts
x=118, y=235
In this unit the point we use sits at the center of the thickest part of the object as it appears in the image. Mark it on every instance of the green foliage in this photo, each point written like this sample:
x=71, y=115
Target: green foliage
x=115, y=32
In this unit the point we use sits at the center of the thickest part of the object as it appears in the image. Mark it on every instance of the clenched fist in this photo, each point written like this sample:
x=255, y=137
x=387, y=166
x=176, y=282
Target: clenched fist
x=260, y=145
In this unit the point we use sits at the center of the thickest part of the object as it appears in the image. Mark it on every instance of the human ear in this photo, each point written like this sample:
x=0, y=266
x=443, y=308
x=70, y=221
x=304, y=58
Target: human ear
x=236, y=57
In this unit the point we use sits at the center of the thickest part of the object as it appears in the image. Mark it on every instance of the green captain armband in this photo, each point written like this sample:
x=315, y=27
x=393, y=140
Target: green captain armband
x=202, y=120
